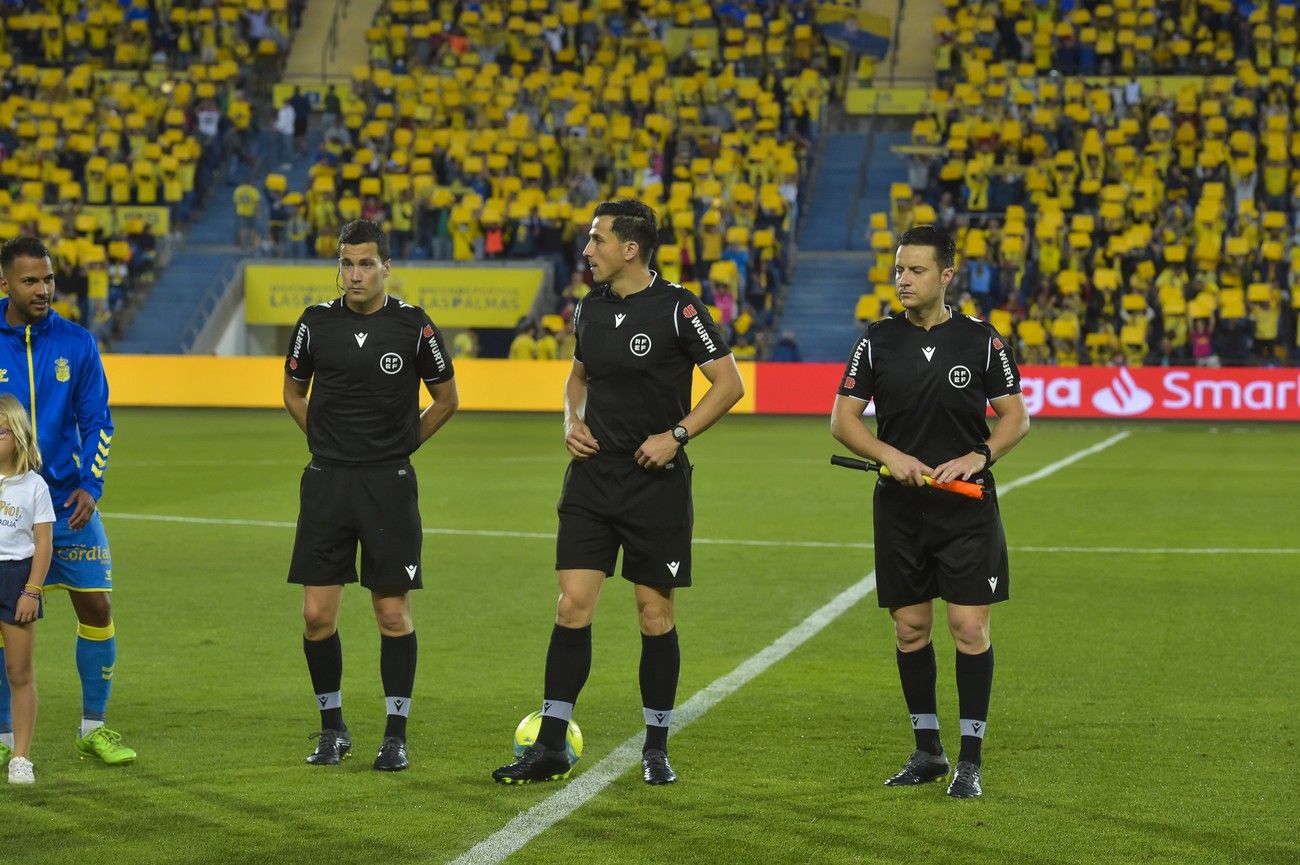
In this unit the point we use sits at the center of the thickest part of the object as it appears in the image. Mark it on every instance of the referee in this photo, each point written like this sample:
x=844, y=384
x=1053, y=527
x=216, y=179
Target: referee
x=932, y=373
x=627, y=418
x=366, y=353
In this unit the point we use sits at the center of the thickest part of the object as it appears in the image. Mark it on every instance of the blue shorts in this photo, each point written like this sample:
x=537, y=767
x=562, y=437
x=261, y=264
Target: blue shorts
x=13, y=576
x=81, y=561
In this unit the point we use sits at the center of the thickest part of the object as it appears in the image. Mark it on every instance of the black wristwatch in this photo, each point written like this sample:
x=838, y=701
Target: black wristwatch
x=983, y=449
x=681, y=434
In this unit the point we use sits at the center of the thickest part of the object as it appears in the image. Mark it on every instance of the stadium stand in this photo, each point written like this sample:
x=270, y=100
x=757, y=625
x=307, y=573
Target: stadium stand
x=1148, y=217
x=490, y=131
x=115, y=120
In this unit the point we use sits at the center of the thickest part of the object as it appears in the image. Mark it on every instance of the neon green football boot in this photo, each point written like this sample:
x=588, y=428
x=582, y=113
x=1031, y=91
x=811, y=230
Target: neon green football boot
x=5, y=753
x=105, y=744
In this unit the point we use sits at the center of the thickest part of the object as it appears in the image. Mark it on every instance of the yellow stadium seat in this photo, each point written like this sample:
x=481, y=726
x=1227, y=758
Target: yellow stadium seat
x=1259, y=292
x=868, y=308
x=1001, y=319
x=1032, y=333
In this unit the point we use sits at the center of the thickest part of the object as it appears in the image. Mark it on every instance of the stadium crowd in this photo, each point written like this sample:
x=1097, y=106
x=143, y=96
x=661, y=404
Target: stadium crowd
x=1123, y=177
x=115, y=120
x=481, y=132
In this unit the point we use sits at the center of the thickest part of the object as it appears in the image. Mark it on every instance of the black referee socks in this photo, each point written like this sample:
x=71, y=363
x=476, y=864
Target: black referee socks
x=974, y=685
x=568, y=662
x=325, y=665
x=397, y=672
x=917, y=672
x=661, y=663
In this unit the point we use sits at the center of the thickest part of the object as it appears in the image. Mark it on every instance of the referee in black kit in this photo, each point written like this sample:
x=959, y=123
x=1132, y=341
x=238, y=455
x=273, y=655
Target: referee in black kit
x=627, y=417
x=364, y=356
x=932, y=373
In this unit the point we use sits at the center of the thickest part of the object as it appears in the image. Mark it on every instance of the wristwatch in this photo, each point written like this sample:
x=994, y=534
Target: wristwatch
x=681, y=434
x=983, y=449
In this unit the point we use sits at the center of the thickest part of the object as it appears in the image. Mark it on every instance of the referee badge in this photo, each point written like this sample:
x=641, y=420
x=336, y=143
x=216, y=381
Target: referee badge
x=640, y=345
x=959, y=377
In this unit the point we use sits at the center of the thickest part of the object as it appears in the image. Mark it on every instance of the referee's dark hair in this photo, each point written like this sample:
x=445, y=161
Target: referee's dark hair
x=945, y=248
x=633, y=221
x=22, y=247
x=365, y=231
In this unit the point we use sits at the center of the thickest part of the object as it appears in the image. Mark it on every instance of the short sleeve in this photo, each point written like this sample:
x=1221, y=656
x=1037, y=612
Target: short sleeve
x=1001, y=375
x=698, y=332
x=859, y=380
x=577, y=332
x=432, y=359
x=43, y=505
x=298, y=362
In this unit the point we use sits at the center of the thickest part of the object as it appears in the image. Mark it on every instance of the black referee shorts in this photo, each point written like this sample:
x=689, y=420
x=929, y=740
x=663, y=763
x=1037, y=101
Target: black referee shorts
x=343, y=505
x=934, y=544
x=611, y=502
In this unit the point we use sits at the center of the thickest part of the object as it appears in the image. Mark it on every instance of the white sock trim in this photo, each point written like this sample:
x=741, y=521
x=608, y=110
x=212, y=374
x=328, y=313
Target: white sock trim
x=925, y=722
x=557, y=709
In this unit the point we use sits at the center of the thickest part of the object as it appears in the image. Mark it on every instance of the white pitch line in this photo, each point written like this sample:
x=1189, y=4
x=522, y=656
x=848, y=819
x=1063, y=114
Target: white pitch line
x=527, y=825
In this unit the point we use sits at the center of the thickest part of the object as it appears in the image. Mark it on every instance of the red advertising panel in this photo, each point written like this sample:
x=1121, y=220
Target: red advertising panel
x=1182, y=393
x=796, y=388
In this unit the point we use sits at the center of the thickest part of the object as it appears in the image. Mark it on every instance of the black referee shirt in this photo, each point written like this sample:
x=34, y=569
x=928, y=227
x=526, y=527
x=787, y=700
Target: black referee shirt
x=931, y=387
x=639, y=354
x=367, y=369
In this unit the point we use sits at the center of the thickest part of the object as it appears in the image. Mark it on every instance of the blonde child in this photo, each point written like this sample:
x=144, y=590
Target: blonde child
x=26, y=544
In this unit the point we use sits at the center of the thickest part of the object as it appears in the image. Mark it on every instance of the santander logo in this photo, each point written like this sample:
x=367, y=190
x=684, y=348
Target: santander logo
x=1123, y=398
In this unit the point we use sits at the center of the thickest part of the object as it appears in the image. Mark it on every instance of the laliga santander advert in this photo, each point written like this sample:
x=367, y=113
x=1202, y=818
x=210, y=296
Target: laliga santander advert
x=1179, y=393
x=1182, y=393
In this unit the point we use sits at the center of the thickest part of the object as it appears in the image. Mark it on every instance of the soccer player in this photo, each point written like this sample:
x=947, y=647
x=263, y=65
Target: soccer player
x=363, y=356
x=932, y=373
x=627, y=418
x=53, y=368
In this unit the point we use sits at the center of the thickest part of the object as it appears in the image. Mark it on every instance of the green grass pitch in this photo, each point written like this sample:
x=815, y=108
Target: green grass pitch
x=1144, y=704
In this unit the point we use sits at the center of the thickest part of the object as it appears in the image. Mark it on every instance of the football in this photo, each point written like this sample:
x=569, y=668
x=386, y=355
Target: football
x=531, y=725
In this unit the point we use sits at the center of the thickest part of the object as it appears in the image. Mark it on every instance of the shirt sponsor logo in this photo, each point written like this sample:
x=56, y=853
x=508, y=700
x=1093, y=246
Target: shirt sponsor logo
x=959, y=377
x=850, y=382
x=391, y=363
x=703, y=334
x=857, y=357
x=640, y=345
x=432, y=342
x=689, y=311
x=297, y=346
x=1006, y=363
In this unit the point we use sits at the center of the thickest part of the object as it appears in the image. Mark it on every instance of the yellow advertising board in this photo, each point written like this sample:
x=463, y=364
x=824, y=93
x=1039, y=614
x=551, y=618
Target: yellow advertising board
x=886, y=100
x=453, y=296
x=201, y=381
x=113, y=218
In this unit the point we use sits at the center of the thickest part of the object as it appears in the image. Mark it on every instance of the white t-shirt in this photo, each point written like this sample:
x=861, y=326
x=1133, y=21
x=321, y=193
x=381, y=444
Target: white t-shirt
x=24, y=501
